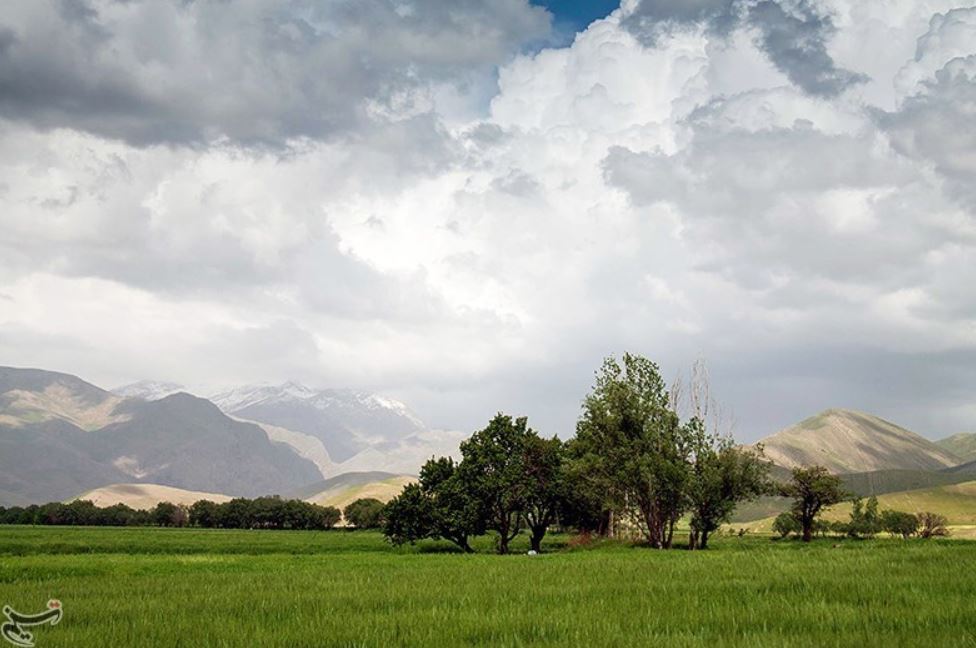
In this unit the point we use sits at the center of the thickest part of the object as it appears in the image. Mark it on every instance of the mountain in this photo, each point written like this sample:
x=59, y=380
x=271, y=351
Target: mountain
x=846, y=441
x=962, y=445
x=148, y=390
x=60, y=436
x=357, y=431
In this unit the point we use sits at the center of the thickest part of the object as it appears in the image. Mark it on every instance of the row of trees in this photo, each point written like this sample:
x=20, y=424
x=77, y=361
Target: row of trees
x=633, y=461
x=866, y=521
x=240, y=513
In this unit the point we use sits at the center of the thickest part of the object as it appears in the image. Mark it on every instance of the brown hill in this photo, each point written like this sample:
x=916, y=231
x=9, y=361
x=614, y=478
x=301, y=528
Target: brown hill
x=846, y=441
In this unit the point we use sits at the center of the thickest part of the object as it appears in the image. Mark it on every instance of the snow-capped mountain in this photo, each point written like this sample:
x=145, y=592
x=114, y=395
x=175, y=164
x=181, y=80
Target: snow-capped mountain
x=346, y=422
x=149, y=390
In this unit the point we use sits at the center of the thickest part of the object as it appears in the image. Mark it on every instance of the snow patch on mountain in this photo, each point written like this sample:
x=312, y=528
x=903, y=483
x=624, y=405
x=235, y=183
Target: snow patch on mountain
x=149, y=390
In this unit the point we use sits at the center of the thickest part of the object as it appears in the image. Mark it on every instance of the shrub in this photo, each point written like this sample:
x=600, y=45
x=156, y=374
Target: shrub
x=932, y=525
x=899, y=523
x=785, y=524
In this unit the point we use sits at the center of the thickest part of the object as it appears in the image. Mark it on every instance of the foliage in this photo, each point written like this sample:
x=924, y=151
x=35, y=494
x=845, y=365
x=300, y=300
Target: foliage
x=633, y=448
x=812, y=489
x=365, y=513
x=865, y=522
x=722, y=476
x=899, y=523
x=932, y=525
x=786, y=524
x=239, y=513
x=545, y=484
x=493, y=471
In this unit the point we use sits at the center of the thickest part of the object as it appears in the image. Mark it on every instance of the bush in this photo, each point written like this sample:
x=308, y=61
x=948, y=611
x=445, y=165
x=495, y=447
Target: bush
x=785, y=524
x=899, y=523
x=932, y=525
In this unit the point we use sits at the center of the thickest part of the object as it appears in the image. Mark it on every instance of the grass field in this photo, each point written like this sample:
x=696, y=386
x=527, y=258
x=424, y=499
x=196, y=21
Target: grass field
x=175, y=587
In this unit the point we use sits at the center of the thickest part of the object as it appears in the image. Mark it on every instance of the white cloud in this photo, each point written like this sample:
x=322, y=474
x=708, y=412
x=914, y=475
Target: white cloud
x=480, y=250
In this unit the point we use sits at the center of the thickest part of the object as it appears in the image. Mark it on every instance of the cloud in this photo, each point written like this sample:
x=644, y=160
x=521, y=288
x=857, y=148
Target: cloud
x=256, y=73
x=934, y=122
x=793, y=35
x=472, y=242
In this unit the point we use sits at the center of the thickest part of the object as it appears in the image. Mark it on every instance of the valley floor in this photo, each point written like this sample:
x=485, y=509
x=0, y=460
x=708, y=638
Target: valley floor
x=182, y=587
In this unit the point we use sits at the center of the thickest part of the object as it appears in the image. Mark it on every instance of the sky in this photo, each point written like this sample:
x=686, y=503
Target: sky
x=466, y=204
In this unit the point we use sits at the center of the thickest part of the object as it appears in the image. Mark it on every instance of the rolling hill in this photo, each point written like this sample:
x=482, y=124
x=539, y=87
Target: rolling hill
x=846, y=441
x=146, y=496
x=962, y=445
x=344, y=489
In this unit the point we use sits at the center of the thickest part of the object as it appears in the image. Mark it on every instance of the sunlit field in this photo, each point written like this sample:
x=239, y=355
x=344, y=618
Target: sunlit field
x=176, y=587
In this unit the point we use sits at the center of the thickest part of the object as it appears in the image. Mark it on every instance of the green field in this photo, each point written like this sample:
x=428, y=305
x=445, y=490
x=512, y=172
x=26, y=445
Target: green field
x=181, y=587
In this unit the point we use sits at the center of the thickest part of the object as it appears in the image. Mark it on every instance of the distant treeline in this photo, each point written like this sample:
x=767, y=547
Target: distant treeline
x=240, y=513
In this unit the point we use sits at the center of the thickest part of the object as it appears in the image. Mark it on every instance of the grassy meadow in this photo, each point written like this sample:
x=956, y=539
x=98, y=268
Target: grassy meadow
x=184, y=587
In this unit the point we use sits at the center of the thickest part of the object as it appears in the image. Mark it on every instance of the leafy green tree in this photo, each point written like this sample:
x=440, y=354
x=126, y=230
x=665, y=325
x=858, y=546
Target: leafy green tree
x=812, y=490
x=785, y=524
x=722, y=476
x=493, y=471
x=899, y=523
x=865, y=522
x=235, y=514
x=168, y=514
x=118, y=515
x=439, y=506
x=323, y=517
x=410, y=517
x=633, y=447
x=544, y=483
x=365, y=513
x=204, y=513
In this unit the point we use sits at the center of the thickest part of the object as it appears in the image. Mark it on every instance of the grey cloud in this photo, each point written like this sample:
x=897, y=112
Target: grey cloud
x=751, y=197
x=793, y=37
x=937, y=126
x=254, y=73
x=795, y=42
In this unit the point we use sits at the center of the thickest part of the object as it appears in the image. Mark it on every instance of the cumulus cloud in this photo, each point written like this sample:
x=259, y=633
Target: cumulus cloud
x=472, y=228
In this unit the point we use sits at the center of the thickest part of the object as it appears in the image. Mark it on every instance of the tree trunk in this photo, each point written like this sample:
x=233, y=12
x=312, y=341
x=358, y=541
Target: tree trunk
x=807, y=531
x=693, y=540
x=536, y=540
x=704, y=539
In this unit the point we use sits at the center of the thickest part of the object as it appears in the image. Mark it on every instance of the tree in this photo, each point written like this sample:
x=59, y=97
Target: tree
x=633, y=447
x=493, y=471
x=409, y=516
x=785, y=524
x=323, y=517
x=932, y=525
x=365, y=513
x=722, y=476
x=544, y=483
x=168, y=514
x=899, y=523
x=865, y=522
x=812, y=490
x=439, y=506
x=204, y=513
